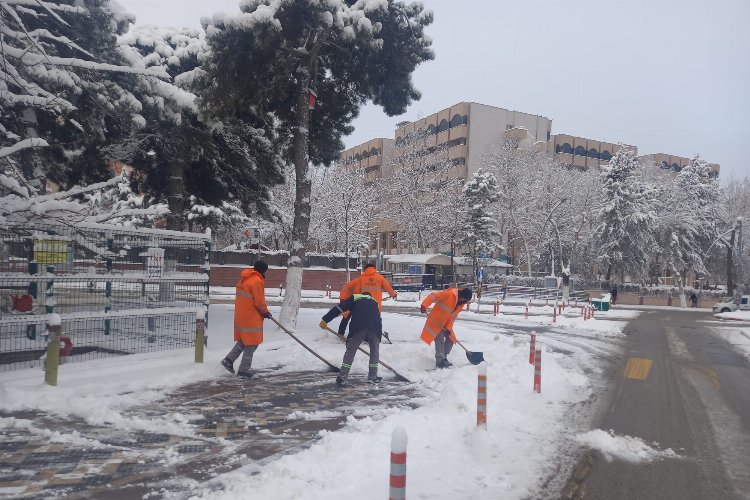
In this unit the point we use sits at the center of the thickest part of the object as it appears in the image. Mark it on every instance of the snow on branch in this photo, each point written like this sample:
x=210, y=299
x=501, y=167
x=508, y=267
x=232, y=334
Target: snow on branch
x=34, y=142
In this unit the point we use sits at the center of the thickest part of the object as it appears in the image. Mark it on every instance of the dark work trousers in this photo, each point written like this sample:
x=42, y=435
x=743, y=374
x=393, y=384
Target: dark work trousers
x=343, y=324
x=247, y=352
x=354, y=340
x=443, y=346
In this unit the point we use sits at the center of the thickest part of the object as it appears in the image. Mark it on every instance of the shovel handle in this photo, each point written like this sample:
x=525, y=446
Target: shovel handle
x=398, y=375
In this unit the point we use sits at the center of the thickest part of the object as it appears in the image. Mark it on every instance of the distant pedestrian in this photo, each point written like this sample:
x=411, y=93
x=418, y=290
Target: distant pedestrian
x=438, y=327
x=694, y=300
x=366, y=325
x=613, y=295
x=250, y=310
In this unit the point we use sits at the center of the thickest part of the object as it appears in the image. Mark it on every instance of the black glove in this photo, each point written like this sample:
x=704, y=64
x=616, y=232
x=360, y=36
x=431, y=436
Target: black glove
x=423, y=309
x=268, y=315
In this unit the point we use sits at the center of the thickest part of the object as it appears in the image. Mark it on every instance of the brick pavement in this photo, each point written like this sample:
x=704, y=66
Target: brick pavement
x=229, y=423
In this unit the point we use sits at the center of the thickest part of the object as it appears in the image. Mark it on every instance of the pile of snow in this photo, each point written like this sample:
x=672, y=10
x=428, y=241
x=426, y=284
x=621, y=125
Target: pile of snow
x=734, y=315
x=630, y=449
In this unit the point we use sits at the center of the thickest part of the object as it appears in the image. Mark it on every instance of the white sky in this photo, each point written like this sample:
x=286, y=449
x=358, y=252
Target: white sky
x=669, y=76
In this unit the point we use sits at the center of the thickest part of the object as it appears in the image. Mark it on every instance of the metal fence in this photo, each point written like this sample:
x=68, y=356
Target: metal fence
x=118, y=290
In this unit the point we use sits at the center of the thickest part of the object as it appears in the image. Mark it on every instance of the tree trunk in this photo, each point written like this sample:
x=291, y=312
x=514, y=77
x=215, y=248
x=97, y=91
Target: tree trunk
x=301, y=225
x=609, y=273
x=730, y=265
x=30, y=162
x=680, y=288
x=176, y=199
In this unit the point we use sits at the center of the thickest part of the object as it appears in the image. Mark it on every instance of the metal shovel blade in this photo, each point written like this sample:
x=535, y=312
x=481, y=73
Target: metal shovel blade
x=475, y=357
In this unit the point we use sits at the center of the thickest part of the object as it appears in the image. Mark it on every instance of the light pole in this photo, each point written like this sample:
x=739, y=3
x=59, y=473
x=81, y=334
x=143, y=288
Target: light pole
x=740, y=284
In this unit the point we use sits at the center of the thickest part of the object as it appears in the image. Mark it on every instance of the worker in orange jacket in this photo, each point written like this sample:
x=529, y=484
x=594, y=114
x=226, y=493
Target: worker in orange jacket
x=250, y=310
x=439, y=325
x=371, y=282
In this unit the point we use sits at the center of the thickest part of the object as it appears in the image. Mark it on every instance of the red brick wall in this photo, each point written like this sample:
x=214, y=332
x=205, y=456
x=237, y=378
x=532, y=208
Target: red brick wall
x=312, y=279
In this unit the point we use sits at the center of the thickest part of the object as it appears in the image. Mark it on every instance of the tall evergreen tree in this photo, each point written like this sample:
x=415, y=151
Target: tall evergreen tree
x=481, y=232
x=271, y=61
x=626, y=217
x=64, y=90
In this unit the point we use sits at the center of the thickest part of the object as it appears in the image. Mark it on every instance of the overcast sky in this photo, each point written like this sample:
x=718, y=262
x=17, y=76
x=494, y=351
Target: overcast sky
x=667, y=76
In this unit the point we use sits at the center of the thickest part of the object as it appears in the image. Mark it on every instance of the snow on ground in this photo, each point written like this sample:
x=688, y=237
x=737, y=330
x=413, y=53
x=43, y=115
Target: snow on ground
x=630, y=449
x=447, y=456
x=734, y=315
x=738, y=337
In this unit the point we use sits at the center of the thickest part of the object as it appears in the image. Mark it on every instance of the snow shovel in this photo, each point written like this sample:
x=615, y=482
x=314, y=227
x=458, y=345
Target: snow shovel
x=385, y=334
x=331, y=367
x=398, y=375
x=474, y=357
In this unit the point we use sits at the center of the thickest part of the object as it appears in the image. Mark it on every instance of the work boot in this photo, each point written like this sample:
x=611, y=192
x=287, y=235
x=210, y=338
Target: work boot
x=443, y=363
x=227, y=363
x=375, y=380
x=246, y=375
x=448, y=364
x=341, y=382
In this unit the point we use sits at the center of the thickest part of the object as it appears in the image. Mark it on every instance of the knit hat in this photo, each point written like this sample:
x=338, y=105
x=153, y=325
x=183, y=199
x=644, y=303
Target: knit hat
x=369, y=264
x=465, y=294
x=261, y=267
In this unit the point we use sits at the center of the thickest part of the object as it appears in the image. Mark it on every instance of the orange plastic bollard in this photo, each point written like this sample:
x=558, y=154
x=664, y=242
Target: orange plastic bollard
x=538, y=371
x=526, y=314
x=482, y=396
x=532, y=347
x=397, y=481
x=554, y=315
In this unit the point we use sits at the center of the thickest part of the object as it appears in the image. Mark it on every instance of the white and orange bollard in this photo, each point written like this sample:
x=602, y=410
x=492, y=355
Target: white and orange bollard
x=398, y=465
x=538, y=370
x=526, y=312
x=482, y=396
x=532, y=347
x=554, y=315
x=497, y=307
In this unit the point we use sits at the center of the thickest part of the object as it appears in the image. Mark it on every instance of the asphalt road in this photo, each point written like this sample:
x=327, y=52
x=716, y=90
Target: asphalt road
x=681, y=386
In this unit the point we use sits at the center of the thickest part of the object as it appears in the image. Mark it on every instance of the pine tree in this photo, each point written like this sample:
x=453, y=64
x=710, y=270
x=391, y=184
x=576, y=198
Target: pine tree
x=267, y=63
x=626, y=218
x=481, y=231
x=64, y=90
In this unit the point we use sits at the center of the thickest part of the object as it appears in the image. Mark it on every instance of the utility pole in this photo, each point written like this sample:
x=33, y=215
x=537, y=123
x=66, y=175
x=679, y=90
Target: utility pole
x=740, y=282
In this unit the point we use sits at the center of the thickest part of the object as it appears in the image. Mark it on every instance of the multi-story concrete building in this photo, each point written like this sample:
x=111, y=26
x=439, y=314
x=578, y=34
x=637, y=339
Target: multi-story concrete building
x=672, y=163
x=582, y=152
x=369, y=157
x=469, y=129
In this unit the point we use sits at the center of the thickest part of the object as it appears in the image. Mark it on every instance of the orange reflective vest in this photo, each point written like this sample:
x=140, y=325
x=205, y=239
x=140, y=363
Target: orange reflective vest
x=250, y=308
x=442, y=315
x=375, y=284
x=349, y=289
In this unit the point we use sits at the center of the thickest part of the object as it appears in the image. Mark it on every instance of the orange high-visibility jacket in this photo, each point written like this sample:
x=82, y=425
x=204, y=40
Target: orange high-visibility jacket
x=442, y=315
x=250, y=308
x=375, y=284
x=349, y=289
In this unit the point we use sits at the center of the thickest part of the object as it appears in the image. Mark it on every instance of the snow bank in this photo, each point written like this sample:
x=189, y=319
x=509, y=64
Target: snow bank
x=630, y=449
x=735, y=315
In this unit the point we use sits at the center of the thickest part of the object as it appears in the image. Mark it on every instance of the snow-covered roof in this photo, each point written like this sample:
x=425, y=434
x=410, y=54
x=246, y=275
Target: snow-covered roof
x=435, y=259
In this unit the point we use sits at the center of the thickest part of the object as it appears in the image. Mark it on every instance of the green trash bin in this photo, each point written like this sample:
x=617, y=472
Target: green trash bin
x=600, y=305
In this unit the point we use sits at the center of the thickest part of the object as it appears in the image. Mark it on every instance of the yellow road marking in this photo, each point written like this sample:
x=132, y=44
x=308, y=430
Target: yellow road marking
x=638, y=368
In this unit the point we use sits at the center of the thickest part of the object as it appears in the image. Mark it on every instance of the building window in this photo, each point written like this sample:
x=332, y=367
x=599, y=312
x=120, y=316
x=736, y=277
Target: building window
x=558, y=148
x=357, y=157
x=567, y=148
x=458, y=161
x=593, y=153
x=606, y=155
x=443, y=126
x=372, y=168
x=549, y=135
x=431, y=129
x=664, y=165
x=580, y=151
x=457, y=120
x=676, y=167
x=374, y=152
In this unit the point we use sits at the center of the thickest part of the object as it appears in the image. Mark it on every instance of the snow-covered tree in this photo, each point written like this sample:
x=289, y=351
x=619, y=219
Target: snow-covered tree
x=305, y=67
x=344, y=209
x=626, y=217
x=482, y=235
x=687, y=208
x=190, y=160
x=422, y=195
x=65, y=90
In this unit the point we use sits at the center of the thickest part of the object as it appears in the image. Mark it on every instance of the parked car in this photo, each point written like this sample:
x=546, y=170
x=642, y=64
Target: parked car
x=730, y=306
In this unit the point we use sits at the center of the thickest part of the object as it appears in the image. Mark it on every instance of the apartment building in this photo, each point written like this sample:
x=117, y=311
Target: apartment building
x=672, y=163
x=469, y=129
x=583, y=152
x=370, y=157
